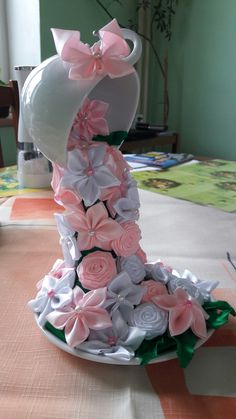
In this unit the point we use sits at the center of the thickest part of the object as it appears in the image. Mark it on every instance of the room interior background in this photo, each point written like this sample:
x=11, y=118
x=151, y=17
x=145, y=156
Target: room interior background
x=201, y=62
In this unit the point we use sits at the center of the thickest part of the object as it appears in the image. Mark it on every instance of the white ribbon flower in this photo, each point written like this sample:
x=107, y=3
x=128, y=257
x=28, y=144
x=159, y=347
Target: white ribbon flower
x=123, y=294
x=158, y=272
x=54, y=294
x=149, y=318
x=128, y=207
x=134, y=268
x=117, y=342
x=68, y=241
x=88, y=176
x=197, y=288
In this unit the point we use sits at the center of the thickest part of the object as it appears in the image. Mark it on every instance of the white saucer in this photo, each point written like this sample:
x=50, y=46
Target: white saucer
x=105, y=359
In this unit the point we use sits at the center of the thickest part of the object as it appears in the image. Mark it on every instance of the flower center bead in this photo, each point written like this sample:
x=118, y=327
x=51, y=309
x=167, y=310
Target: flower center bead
x=97, y=55
x=89, y=171
x=120, y=297
x=111, y=340
x=91, y=233
x=84, y=116
x=51, y=293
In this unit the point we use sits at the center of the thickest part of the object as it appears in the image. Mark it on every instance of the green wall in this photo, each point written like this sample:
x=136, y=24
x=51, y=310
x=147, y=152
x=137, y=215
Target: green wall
x=202, y=66
x=82, y=15
x=202, y=77
x=8, y=143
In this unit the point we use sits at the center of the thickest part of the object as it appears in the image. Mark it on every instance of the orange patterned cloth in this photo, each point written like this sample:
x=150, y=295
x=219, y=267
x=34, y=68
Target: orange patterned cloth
x=34, y=208
x=38, y=380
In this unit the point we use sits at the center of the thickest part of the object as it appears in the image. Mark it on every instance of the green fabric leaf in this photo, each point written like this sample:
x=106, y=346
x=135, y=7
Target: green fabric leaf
x=185, y=347
x=56, y=332
x=115, y=138
x=219, y=312
x=151, y=349
x=94, y=249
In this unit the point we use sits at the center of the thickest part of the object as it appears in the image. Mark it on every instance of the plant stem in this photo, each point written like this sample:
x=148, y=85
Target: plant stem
x=104, y=8
x=141, y=35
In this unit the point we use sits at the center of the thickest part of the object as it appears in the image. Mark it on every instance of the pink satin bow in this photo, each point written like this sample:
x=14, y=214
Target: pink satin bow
x=105, y=57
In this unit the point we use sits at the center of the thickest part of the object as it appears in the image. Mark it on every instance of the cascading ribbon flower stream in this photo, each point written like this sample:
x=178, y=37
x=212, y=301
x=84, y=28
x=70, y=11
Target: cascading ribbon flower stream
x=105, y=298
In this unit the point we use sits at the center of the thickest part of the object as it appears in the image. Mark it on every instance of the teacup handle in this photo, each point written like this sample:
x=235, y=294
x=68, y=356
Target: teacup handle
x=134, y=56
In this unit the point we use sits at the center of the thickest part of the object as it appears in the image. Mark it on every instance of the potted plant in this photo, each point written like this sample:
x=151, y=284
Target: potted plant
x=4, y=110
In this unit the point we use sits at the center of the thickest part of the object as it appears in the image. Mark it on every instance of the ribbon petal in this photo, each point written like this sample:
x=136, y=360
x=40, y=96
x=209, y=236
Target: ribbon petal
x=61, y=37
x=105, y=57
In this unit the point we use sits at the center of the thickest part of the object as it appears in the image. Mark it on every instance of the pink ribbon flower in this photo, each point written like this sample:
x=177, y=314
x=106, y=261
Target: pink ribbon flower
x=105, y=57
x=184, y=313
x=96, y=269
x=95, y=227
x=128, y=243
x=153, y=289
x=68, y=199
x=90, y=120
x=83, y=314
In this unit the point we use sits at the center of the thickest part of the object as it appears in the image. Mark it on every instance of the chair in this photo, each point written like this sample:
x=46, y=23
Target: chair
x=9, y=97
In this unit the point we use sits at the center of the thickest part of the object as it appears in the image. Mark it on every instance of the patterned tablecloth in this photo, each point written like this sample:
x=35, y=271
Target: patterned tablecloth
x=37, y=380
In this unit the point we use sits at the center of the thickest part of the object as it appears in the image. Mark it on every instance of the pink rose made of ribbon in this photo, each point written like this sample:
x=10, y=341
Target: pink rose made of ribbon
x=105, y=57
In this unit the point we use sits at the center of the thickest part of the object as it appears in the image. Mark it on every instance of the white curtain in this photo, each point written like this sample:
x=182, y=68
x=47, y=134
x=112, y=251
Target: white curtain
x=4, y=55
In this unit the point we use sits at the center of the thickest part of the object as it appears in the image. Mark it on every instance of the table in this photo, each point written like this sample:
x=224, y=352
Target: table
x=37, y=380
x=140, y=145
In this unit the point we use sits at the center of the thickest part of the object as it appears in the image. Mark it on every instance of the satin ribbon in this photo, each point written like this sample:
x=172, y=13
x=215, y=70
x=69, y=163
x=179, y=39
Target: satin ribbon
x=105, y=57
x=88, y=176
x=151, y=349
x=85, y=312
x=128, y=207
x=122, y=350
x=219, y=312
x=67, y=240
x=183, y=344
